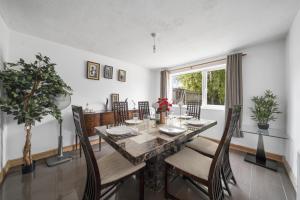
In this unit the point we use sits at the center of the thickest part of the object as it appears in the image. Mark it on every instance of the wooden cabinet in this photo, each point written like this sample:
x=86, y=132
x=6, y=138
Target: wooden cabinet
x=103, y=118
x=107, y=118
x=91, y=120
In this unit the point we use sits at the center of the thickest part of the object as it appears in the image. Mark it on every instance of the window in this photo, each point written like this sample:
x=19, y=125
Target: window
x=207, y=85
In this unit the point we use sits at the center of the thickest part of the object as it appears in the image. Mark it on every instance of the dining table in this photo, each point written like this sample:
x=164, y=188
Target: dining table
x=147, y=143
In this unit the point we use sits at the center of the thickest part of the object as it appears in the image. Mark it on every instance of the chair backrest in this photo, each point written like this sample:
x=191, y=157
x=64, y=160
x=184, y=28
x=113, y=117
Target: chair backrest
x=143, y=109
x=215, y=189
x=236, y=110
x=227, y=171
x=121, y=113
x=93, y=181
x=194, y=108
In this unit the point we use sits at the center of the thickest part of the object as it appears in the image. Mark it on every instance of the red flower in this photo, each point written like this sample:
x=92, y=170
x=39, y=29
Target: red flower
x=164, y=105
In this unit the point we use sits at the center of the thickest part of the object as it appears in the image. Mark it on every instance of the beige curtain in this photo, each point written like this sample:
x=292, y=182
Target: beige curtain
x=234, y=86
x=164, y=83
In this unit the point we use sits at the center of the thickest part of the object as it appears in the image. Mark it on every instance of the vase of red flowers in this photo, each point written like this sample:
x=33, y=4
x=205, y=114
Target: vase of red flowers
x=163, y=107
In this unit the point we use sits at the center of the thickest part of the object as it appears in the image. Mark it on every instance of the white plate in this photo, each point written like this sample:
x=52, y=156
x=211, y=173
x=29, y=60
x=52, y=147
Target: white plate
x=185, y=117
x=133, y=121
x=195, y=122
x=119, y=130
x=172, y=130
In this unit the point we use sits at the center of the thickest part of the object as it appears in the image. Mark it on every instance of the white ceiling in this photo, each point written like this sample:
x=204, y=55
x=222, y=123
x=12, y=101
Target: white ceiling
x=188, y=30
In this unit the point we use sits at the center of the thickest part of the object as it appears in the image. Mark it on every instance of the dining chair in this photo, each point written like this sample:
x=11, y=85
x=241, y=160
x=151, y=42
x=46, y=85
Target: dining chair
x=77, y=139
x=121, y=113
x=208, y=148
x=194, y=108
x=143, y=109
x=104, y=176
x=200, y=169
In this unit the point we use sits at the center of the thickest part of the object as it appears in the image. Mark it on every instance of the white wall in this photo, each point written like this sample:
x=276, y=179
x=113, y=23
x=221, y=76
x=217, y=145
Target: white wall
x=263, y=68
x=293, y=93
x=3, y=56
x=71, y=65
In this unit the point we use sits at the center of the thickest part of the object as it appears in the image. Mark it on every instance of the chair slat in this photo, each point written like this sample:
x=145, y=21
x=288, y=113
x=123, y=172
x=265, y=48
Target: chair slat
x=194, y=109
x=143, y=109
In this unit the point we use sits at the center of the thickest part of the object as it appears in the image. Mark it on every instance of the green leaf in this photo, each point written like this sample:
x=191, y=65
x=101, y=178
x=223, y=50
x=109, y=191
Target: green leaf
x=18, y=82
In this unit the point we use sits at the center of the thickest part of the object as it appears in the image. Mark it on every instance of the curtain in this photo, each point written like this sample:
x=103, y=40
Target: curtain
x=234, y=86
x=164, y=83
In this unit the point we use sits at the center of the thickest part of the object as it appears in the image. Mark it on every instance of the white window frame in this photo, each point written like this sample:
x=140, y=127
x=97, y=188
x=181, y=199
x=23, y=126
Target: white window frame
x=204, y=84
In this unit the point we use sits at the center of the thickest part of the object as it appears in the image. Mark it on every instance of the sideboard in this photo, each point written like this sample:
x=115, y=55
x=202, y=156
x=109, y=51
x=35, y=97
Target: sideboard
x=100, y=118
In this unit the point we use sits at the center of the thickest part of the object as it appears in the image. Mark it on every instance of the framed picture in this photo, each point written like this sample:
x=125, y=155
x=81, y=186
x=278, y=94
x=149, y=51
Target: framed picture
x=122, y=75
x=108, y=72
x=93, y=70
x=114, y=98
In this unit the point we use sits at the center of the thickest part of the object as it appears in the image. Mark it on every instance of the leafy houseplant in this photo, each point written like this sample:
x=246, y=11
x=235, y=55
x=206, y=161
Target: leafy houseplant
x=265, y=108
x=30, y=89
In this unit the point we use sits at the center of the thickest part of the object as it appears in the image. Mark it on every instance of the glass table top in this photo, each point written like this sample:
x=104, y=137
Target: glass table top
x=271, y=132
x=149, y=141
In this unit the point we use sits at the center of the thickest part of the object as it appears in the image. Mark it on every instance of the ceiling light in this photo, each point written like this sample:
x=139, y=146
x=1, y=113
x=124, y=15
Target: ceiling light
x=153, y=35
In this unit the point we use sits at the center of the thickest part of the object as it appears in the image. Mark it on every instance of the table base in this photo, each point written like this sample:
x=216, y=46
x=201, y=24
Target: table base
x=269, y=164
x=155, y=171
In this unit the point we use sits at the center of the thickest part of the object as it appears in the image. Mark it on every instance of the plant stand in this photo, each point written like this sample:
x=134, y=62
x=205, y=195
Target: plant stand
x=260, y=157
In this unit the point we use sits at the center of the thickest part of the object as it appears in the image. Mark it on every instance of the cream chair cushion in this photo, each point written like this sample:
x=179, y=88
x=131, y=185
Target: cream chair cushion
x=114, y=167
x=203, y=145
x=191, y=162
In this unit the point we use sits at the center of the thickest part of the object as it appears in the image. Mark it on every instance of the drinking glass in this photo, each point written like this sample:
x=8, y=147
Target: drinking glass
x=147, y=121
x=135, y=116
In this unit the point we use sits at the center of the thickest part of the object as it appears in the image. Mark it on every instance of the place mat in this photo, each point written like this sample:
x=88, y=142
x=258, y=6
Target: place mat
x=143, y=138
x=121, y=132
x=133, y=121
x=172, y=130
x=195, y=123
x=184, y=117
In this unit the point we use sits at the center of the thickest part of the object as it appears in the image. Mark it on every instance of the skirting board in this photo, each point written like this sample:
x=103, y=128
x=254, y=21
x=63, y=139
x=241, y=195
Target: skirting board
x=239, y=148
x=290, y=173
x=19, y=161
x=272, y=156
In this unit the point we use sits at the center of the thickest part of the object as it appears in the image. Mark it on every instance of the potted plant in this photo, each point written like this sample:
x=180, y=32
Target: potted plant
x=265, y=109
x=30, y=89
x=162, y=108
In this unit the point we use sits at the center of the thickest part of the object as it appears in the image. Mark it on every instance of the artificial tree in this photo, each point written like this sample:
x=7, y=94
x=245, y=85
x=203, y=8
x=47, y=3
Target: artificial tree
x=29, y=92
x=265, y=109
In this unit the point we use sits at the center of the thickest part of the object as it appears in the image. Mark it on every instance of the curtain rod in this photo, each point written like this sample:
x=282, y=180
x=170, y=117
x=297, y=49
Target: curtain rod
x=195, y=65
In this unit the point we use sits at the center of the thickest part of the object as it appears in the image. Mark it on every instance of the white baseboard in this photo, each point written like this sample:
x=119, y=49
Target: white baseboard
x=290, y=173
x=298, y=177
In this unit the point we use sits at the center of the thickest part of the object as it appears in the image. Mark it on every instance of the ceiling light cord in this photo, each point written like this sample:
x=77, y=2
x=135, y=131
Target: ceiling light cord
x=153, y=35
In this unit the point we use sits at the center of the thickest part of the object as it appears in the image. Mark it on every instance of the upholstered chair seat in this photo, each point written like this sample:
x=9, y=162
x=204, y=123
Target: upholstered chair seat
x=105, y=174
x=205, y=173
x=191, y=162
x=114, y=167
x=204, y=146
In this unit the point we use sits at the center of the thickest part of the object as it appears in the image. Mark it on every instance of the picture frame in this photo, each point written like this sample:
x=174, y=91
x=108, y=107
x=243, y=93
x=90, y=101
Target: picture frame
x=114, y=98
x=93, y=70
x=108, y=72
x=122, y=75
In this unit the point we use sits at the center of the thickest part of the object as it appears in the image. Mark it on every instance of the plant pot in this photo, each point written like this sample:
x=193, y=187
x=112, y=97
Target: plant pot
x=28, y=168
x=162, y=119
x=263, y=126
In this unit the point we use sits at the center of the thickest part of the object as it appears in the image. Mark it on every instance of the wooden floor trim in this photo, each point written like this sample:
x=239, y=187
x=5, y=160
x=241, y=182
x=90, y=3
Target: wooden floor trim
x=240, y=148
x=17, y=162
x=46, y=154
x=290, y=173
